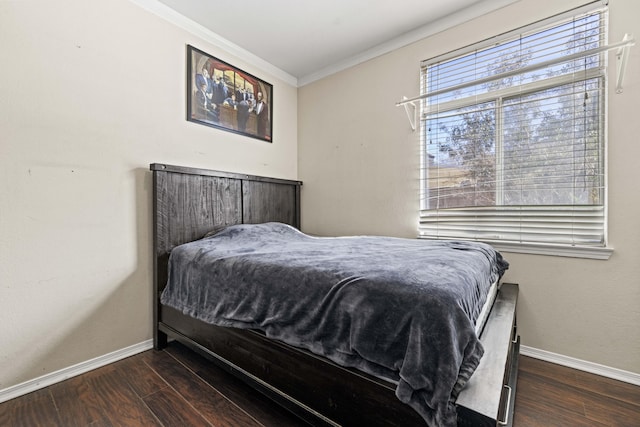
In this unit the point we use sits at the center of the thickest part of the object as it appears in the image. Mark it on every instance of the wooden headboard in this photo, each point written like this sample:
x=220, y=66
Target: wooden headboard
x=189, y=202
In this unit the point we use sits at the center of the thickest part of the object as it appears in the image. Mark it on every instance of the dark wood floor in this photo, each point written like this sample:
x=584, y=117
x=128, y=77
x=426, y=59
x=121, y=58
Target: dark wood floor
x=177, y=387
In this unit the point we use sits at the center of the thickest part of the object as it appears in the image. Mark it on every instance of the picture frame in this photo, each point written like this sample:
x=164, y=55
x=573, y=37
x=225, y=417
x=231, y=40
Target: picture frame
x=223, y=96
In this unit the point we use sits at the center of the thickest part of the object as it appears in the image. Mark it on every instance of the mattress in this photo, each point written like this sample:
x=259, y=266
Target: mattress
x=486, y=308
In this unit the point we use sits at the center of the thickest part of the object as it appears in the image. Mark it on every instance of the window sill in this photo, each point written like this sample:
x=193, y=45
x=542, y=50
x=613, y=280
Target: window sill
x=587, y=252
x=555, y=250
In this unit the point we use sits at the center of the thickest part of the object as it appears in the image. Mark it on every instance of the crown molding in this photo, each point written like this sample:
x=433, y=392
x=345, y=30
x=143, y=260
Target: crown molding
x=170, y=15
x=457, y=18
x=175, y=18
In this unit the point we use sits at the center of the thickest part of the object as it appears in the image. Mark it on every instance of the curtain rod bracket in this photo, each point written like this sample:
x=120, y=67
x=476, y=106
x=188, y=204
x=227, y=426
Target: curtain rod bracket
x=623, y=54
x=413, y=117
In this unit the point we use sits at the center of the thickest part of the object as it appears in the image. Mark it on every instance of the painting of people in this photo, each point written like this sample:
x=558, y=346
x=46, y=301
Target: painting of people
x=225, y=97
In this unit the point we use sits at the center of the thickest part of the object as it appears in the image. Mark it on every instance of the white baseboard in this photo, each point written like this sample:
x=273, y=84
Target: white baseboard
x=89, y=365
x=66, y=373
x=581, y=365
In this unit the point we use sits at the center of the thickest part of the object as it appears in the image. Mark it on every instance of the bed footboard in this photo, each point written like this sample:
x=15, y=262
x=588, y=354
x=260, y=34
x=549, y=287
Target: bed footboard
x=489, y=396
x=323, y=393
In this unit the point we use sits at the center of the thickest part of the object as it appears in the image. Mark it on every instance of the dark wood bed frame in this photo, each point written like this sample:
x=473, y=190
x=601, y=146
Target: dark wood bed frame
x=189, y=202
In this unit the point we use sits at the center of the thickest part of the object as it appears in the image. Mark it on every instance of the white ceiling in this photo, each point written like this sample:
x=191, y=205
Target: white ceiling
x=308, y=40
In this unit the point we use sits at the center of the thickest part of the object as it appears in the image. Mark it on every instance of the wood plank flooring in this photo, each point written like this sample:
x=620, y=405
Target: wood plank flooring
x=177, y=387
x=553, y=395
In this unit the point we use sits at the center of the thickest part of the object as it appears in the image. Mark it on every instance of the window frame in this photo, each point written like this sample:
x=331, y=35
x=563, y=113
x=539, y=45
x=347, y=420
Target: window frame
x=554, y=249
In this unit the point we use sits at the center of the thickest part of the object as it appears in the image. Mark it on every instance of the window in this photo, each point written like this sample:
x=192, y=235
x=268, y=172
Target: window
x=513, y=137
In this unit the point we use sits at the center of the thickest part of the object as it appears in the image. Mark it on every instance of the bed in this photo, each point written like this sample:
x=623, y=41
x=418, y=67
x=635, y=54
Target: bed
x=318, y=387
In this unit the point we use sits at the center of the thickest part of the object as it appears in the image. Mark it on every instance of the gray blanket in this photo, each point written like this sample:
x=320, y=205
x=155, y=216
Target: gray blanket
x=400, y=309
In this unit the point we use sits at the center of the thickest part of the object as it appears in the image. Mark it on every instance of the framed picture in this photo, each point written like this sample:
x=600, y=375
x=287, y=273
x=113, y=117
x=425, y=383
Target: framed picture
x=225, y=97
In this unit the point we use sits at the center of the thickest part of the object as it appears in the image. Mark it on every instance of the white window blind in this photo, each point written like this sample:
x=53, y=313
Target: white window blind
x=513, y=138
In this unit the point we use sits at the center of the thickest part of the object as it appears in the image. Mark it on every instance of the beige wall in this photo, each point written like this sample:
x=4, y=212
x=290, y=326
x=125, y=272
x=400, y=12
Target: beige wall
x=358, y=160
x=91, y=93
